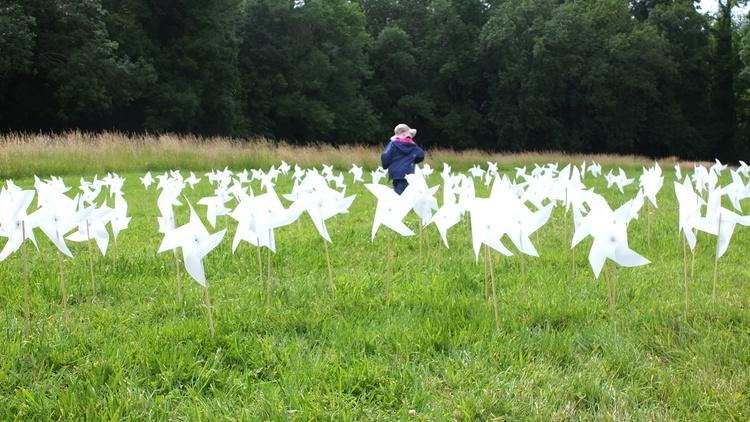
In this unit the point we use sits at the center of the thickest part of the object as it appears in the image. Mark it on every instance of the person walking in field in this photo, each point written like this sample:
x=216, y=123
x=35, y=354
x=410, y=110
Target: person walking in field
x=400, y=156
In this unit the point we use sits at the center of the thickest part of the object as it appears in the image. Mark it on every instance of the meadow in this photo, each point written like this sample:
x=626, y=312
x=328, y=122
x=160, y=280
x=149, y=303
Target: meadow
x=134, y=351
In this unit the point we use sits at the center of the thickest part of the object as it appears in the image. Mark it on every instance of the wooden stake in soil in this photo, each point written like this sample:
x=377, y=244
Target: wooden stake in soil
x=389, y=282
x=610, y=290
x=685, y=273
x=114, y=247
x=716, y=260
x=648, y=221
x=178, y=280
x=523, y=270
x=573, y=263
x=91, y=259
x=421, y=258
x=269, y=285
x=25, y=257
x=494, y=295
x=330, y=270
x=260, y=263
x=486, y=273
x=66, y=317
x=565, y=218
x=208, y=308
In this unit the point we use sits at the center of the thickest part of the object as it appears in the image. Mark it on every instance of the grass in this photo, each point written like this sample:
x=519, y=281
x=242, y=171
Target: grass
x=78, y=154
x=134, y=352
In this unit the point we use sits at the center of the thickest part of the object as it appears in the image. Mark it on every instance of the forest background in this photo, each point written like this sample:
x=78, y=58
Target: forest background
x=651, y=77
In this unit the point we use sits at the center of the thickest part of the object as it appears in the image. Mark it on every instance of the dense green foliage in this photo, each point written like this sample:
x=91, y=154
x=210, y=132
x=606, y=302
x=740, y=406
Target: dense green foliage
x=134, y=351
x=653, y=77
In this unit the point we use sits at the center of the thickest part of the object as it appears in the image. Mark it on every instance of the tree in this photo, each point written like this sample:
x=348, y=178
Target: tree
x=725, y=63
x=575, y=77
x=303, y=66
x=63, y=70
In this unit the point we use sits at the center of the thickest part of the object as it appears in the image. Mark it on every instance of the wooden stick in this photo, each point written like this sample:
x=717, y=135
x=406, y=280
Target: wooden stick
x=330, y=270
x=389, y=282
x=614, y=288
x=573, y=263
x=486, y=273
x=648, y=221
x=91, y=259
x=114, y=247
x=692, y=264
x=270, y=280
x=565, y=217
x=523, y=270
x=695, y=249
x=421, y=258
x=494, y=295
x=685, y=273
x=260, y=263
x=178, y=280
x=429, y=248
x=210, y=314
x=716, y=260
x=269, y=285
x=610, y=297
x=26, y=313
x=66, y=317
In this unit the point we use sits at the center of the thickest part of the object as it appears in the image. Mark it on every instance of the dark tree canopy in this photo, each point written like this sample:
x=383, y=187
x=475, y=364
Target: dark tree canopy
x=653, y=77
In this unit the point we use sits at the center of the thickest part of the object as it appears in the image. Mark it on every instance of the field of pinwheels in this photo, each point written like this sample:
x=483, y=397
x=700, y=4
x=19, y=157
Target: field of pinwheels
x=221, y=298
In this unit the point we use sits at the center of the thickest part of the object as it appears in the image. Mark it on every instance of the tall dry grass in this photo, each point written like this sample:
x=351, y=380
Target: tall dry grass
x=77, y=153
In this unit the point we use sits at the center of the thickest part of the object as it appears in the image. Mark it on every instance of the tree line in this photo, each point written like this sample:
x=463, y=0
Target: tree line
x=654, y=77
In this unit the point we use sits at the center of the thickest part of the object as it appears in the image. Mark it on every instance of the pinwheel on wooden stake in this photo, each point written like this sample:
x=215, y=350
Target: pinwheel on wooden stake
x=422, y=200
x=195, y=242
x=390, y=212
x=488, y=230
x=609, y=231
x=14, y=203
x=719, y=222
x=57, y=216
x=689, y=212
x=321, y=203
x=651, y=182
x=93, y=228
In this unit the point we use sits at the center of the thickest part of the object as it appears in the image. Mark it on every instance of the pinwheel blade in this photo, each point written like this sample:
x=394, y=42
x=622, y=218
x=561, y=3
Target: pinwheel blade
x=629, y=258
x=194, y=267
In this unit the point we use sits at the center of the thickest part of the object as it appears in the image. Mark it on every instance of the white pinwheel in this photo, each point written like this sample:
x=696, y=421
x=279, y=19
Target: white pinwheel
x=195, y=242
x=215, y=206
x=147, y=180
x=13, y=218
x=448, y=215
x=119, y=218
x=56, y=217
x=356, y=172
x=609, y=230
x=14, y=202
x=390, y=211
x=620, y=180
x=192, y=180
x=720, y=221
x=94, y=228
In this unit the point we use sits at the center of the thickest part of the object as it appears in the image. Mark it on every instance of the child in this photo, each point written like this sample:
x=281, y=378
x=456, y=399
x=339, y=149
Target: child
x=400, y=156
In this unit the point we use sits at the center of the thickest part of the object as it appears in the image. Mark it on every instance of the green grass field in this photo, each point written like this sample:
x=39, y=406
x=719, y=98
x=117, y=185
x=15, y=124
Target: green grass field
x=134, y=351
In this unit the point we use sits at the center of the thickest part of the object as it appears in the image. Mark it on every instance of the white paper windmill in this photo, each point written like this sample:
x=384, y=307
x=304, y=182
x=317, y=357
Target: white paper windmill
x=195, y=242
x=390, y=211
x=356, y=172
x=13, y=225
x=609, y=230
